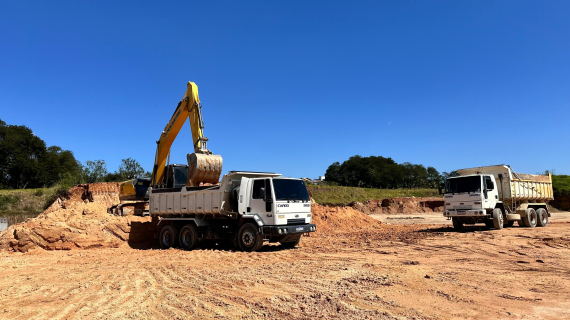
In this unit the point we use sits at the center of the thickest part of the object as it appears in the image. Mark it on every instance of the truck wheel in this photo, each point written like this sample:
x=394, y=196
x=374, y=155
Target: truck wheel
x=541, y=217
x=521, y=223
x=530, y=219
x=290, y=245
x=457, y=225
x=168, y=237
x=509, y=224
x=249, y=239
x=189, y=237
x=498, y=219
x=489, y=223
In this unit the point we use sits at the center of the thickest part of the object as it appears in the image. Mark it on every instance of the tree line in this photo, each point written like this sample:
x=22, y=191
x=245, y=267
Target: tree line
x=383, y=173
x=27, y=162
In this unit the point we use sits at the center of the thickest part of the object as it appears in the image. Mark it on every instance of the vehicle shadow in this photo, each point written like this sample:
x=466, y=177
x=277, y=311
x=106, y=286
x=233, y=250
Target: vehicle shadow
x=142, y=235
x=466, y=229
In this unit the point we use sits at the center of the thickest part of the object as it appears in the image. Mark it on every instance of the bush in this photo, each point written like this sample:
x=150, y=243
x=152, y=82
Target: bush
x=39, y=193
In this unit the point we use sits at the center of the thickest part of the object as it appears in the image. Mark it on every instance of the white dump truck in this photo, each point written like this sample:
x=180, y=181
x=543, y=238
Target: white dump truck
x=497, y=196
x=246, y=208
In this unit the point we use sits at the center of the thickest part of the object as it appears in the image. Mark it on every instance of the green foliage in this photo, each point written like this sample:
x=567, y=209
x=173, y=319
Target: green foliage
x=95, y=171
x=8, y=199
x=381, y=173
x=344, y=195
x=561, y=185
x=26, y=162
x=130, y=169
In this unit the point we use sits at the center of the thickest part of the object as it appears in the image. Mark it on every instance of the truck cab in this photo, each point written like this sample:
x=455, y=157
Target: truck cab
x=471, y=198
x=282, y=204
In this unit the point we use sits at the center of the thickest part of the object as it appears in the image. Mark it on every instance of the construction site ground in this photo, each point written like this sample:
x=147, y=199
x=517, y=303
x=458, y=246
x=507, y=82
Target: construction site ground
x=410, y=271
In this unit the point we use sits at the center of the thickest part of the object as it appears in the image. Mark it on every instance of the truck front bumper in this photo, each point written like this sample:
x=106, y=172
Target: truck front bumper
x=286, y=229
x=465, y=213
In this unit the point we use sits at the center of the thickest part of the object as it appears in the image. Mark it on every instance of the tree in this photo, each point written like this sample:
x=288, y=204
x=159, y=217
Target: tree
x=95, y=171
x=332, y=174
x=433, y=178
x=130, y=169
x=25, y=162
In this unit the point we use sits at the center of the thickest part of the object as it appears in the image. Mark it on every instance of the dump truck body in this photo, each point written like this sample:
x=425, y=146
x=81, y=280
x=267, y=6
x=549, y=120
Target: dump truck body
x=476, y=194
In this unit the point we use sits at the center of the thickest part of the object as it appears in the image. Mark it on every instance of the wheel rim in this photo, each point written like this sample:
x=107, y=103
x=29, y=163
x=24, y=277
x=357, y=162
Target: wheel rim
x=543, y=217
x=501, y=220
x=167, y=238
x=248, y=238
x=186, y=238
x=533, y=218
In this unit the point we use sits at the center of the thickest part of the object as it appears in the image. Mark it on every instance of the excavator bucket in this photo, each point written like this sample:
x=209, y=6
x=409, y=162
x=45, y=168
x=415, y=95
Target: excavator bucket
x=203, y=168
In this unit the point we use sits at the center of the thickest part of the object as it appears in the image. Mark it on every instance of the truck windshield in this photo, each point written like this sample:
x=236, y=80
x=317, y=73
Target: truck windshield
x=463, y=185
x=286, y=189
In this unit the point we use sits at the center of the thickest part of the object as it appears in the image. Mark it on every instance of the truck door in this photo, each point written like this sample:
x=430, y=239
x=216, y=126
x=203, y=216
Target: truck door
x=260, y=193
x=490, y=191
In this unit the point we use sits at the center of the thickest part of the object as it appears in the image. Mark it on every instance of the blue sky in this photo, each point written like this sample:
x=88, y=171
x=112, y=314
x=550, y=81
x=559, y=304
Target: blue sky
x=292, y=86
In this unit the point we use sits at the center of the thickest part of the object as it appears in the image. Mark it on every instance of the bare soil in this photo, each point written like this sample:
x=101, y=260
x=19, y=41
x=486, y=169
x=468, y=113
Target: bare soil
x=353, y=267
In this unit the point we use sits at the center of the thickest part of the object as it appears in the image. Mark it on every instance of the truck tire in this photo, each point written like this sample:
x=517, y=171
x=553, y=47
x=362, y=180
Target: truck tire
x=530, y=219
x=292, y=244
x=249, y=239
x=457, y=225
x=498, y=219
x=521, y=223
x=541, y=217
x=168, y=237
x=189, y=237
x=489, y=223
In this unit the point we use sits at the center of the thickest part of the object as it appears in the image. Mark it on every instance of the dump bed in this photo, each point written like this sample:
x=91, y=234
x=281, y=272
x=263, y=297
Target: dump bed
x=516, y=186
x=185, y=202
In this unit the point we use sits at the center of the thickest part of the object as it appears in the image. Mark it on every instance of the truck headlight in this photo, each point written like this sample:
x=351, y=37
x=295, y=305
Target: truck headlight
x=281, y=216
x=309, y=215
x=447, y=204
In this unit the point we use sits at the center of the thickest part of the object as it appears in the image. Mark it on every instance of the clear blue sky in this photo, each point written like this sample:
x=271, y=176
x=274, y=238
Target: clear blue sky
x=292, y=86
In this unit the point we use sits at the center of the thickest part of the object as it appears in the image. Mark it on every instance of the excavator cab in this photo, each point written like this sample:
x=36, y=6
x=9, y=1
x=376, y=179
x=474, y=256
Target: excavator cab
x=175, y=176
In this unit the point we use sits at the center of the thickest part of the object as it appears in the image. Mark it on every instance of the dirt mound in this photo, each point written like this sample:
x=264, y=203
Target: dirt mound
x=400, y=205
x=341, y=219
x=78, y=221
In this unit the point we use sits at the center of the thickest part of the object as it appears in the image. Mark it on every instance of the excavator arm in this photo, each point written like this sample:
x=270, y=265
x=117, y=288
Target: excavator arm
x=203, y=166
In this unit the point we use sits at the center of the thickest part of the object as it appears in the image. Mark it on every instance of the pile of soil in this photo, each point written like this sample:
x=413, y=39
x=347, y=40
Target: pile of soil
x=79, y=221
x=400, y=205
x=341, y=219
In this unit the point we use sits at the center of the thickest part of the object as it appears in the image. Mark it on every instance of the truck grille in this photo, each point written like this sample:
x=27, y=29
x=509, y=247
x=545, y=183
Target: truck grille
x=295, y=221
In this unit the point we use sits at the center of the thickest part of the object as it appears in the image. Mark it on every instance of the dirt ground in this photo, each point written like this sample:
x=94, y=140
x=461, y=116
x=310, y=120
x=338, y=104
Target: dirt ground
x=387, y=272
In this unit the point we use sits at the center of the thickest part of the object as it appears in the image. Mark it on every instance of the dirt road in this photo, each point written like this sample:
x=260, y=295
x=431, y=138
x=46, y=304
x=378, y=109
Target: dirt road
x=402, y=271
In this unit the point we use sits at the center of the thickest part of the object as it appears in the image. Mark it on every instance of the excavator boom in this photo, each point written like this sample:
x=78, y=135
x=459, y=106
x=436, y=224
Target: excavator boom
x=203, y=166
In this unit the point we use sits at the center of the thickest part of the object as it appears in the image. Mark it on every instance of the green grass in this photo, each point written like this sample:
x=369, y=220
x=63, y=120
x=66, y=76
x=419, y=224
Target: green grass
x=21, y=204
x=345, y=195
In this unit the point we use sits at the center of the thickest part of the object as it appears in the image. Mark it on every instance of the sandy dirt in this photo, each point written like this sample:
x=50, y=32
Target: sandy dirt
x=353, y=267
x=394, y=272
x=438, y=218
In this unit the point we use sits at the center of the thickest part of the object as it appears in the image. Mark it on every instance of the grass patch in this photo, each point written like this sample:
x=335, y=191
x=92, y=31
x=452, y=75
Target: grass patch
x=21, y=204
x=345, y=195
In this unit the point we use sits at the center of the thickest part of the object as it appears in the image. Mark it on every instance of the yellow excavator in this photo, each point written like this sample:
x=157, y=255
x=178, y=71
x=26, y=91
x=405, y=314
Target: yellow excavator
x=203, y=166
